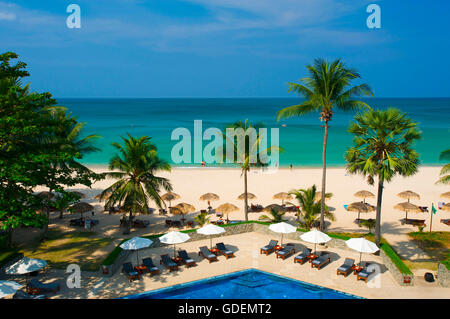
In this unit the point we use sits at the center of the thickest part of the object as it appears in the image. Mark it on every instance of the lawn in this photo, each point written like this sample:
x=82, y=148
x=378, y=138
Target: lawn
x=436, y=245
x=62, y=249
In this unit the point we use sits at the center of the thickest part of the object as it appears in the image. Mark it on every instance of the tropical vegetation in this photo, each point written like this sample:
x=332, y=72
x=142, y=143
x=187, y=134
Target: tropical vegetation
x=445, y=170
x=135, y=167
x=309, y=207
x=328, y=87
x=383, y=148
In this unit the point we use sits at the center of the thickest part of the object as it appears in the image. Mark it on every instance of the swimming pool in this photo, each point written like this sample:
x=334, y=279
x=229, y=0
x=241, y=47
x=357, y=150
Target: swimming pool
x=246, y=284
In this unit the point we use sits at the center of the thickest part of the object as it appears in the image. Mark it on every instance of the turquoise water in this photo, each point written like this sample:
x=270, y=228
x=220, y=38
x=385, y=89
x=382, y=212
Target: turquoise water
x=250, y=283
x=301, y=139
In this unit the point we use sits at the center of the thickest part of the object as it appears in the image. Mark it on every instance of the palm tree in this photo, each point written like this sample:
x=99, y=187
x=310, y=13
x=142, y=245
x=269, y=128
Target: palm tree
x=310, y=208
x=383, y=141
x=202, y=219
x=243, y=157
x=444, y=177
x=276, y=216
x=135, y=168
x=66, y=136
x=327, y=87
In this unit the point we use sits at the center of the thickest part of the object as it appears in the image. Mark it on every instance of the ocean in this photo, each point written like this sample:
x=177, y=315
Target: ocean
x=301, y=138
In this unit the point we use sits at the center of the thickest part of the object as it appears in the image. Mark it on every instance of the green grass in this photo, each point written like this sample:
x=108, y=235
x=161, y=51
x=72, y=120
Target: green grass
x=384, y=245
x=436, y=245
x=7, y=254
x=61, y=249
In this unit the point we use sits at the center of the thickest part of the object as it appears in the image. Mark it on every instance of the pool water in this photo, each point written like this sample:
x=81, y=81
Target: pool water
x=247, y=284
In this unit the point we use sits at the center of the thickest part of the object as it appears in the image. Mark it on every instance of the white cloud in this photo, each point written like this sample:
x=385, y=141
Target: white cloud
x=7, y=16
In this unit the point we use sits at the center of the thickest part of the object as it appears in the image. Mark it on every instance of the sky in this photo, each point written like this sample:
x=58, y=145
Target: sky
x=225, y=48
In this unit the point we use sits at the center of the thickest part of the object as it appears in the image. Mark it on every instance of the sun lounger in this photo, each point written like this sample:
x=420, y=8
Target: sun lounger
x=446, y=221
x=185, y=259
x=35, y=287
x=364, y=274
x=151, y=268
x=321, y=261
x=130, y=271
x=346, y=268
x=303, y=256
x=286, y=251
x=207, y=254
x=224, y=251
x=440, y=205
x=23, y=295
x=168, y=262
x=269, y=248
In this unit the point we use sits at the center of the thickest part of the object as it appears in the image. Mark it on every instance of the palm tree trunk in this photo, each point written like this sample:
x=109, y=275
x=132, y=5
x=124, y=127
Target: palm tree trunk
x=245, y=196
x=378, y=218
x=324, y=176
x=44, y=235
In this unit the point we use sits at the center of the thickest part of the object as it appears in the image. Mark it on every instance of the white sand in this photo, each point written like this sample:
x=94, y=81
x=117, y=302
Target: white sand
x=191, y=183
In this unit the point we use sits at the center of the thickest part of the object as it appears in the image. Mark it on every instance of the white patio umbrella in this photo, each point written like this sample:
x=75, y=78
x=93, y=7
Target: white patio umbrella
x=361, y=245
x=25, y=266
x=8, y=287
x=283, y=228
x=315, y=237
x=173, y=238
x=136, y=243
x=210, y=229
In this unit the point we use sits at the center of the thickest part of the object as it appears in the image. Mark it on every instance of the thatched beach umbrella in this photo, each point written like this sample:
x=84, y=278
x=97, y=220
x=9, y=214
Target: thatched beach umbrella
x=276, y=207
x=446, y=195
x=360, y=208
x=209, y=197
x=364, y=194
x=318, y=196
x=182, y=209
x=249, y=196
x=283, y=196
x=227, y=208
x=408, y=207
x=82, y=207
x=170, y=197
x=408, y=195
x=446, y=207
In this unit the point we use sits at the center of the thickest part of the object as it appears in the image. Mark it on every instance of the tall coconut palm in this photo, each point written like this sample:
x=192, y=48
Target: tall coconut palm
x=327, y=87
x=444, y=173
x=383, y=147
x=244, y=156
x=310, y=208
x=135, y=168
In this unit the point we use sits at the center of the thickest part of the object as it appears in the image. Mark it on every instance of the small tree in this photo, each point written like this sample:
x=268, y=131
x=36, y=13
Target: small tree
x=202, y=219
x=369, y=224
x=276, y=216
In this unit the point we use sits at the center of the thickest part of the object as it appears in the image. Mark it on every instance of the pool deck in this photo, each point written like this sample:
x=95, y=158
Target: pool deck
x=246, y=249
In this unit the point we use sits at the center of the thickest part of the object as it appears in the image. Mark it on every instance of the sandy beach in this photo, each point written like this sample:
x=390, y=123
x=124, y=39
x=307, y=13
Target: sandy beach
x=191, y=183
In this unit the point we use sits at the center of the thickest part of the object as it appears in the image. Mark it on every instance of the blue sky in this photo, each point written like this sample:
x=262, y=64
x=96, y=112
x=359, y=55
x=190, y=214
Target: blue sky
x=225, y=48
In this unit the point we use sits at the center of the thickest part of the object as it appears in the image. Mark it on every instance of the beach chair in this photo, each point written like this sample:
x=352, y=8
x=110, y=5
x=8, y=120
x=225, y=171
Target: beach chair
x=151, y=268
x=269, y=248
x=224, y=251
x=446, y=221
x=321, y=261
x=346, y=268
x=168, y=262
x=364, y=274
x=207, y=254
x=185, y=259
x=440, y=205
x=285, y=252
x=35, y=287
x=130, y=271
x=23, y=295
x=303, y=256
